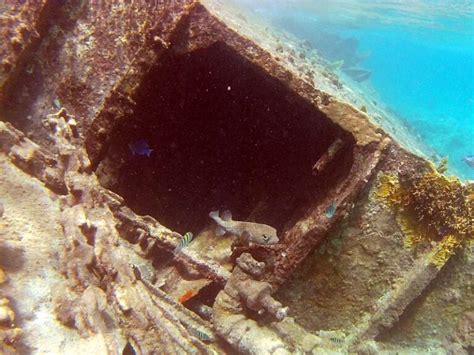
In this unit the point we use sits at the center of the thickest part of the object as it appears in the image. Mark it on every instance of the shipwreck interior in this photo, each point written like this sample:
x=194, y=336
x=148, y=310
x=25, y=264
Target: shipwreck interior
x=211, y=131
x=120, y=119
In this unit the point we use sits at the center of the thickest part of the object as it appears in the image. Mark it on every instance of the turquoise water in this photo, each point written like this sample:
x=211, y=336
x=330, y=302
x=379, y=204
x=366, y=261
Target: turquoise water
x=419, y=56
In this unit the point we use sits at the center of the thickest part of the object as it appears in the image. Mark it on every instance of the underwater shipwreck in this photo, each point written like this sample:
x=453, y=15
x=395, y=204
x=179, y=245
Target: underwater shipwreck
x=124, y=125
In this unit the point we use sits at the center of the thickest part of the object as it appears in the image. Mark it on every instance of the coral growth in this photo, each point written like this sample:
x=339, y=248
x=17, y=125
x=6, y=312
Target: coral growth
x=444, y=250
x=388, y=189
x=431, y=208
x=440, y=203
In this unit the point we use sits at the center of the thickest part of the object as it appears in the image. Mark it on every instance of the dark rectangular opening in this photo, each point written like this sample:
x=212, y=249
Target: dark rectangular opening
x=223, y=135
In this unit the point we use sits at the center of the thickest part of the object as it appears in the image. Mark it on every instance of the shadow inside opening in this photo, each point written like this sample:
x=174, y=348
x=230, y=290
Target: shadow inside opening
x=223, y=136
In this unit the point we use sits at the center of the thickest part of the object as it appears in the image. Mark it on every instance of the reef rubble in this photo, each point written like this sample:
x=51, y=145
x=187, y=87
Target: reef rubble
x=234, y=115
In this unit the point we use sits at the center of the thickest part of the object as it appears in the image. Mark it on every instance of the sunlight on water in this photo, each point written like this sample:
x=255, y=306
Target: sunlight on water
x=416, y=57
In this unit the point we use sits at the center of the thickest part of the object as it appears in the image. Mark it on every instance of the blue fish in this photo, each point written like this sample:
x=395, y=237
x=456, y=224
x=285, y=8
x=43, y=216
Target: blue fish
x=331, y=210
x=469, y=160
x=140, y=147
x=187, y=238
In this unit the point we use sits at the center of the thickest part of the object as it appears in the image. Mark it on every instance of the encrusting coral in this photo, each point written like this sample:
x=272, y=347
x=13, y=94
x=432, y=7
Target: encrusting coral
x=444, y=250
x=431, y=208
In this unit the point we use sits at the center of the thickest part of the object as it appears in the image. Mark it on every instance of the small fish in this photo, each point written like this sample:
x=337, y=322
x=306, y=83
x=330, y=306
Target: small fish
x=57, y=104
x=203, y=310
x=252, y=232
x=358, y=75
x=187, y=238
x=469, y=160
x=140, y=147
x=203, y=336
x=336, y=65
x=331, y=210
x=186, y=296
x=336, y=340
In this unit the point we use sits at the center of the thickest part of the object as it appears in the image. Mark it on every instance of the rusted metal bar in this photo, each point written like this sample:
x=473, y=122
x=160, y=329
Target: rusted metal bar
x=327, y=157
x=393, y=304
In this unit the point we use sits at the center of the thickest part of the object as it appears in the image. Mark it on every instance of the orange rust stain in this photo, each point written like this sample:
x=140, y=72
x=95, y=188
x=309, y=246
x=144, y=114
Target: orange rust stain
x=186, y=296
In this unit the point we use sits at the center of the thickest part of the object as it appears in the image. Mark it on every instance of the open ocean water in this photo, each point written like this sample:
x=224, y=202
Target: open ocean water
x=416, y=57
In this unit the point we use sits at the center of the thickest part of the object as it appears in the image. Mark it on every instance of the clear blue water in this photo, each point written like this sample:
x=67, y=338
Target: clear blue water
x=420, y=55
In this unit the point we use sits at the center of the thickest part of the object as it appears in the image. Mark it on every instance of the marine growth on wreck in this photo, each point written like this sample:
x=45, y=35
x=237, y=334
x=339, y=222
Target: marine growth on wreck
x=224, y=177
x=431, y=208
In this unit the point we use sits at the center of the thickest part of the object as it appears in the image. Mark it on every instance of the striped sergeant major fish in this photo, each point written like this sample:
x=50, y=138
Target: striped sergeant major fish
x=184, y=242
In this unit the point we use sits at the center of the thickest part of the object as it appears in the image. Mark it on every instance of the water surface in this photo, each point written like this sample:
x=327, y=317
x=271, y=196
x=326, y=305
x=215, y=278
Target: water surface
x=416, y=57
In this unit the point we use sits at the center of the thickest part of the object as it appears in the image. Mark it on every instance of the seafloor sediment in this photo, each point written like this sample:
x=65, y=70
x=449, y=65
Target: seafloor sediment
x=375, y=243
